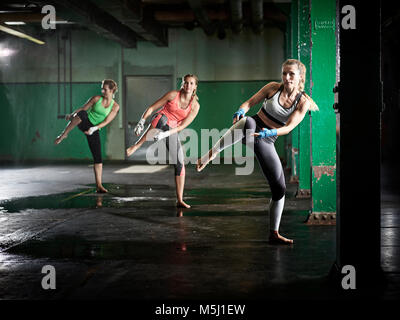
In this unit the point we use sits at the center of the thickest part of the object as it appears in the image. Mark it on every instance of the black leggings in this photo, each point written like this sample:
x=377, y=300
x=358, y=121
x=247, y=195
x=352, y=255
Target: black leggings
x=267, y=157
x=174, y=147
x=94, y=139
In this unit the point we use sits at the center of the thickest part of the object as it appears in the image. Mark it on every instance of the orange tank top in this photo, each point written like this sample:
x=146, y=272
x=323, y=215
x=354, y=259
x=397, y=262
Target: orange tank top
x=174, y=113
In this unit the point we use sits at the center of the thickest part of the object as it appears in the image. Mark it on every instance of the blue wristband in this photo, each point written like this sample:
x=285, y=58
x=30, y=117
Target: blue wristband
x=264, y=133
x=239, y=113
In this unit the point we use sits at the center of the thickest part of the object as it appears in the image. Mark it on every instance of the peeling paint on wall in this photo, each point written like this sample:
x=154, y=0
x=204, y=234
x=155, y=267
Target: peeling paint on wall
x=324, y=170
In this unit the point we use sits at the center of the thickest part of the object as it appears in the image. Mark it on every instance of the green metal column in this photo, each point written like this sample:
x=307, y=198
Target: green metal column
x=304, y=55
x=293, y=141
x=288, y=53
x=289, y=50
x=323, y=123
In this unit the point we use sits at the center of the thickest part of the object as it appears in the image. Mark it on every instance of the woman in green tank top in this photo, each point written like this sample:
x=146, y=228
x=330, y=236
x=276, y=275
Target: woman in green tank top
x=98, y=112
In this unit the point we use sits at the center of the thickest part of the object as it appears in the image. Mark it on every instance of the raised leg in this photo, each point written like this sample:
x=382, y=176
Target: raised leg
x=72, y=124
x=132, y=149
x=207, y=158
x=232, y=136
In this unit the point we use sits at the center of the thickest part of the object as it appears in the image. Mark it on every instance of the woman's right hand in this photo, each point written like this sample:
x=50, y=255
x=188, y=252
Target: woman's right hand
x=238, y=115
x=139, y=127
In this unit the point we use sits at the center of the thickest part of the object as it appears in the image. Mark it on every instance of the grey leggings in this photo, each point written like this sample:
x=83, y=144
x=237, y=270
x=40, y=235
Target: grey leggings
x=174, y=147
x=264, y=150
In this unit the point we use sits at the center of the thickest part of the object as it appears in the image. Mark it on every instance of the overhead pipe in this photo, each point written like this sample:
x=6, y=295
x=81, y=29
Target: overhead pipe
x=182, y=16
x=135, y=16
x=99, y=21
x=202, y=17
x=257, y=15
x=237, y=15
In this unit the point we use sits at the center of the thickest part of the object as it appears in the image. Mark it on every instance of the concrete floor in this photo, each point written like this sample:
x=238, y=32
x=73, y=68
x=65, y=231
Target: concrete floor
x=134, y=244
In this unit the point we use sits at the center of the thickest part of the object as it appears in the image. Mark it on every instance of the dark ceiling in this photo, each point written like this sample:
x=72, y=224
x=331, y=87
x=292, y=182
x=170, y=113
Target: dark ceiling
x=127, y=21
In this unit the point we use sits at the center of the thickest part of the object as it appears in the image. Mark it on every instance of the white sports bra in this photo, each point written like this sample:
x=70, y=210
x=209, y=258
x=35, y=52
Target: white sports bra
x=275, y=112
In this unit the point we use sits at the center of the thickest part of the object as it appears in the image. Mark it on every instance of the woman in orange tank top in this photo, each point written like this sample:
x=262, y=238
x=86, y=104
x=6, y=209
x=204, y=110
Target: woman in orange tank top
x=175, y=111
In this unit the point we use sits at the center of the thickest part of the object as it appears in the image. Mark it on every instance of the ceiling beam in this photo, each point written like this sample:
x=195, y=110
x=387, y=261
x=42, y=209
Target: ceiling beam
x=132, y=14
x=202, y=17
x=257, y=15
x=86, y=13
x=273, y=17
x=237, y=15
x=184, y=15
x=24, y=17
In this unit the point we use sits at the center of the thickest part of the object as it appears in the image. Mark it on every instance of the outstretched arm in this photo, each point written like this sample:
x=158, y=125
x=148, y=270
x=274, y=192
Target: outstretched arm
x=263, y=93
x=296, y=117
x=159, y=103
x=85, y=107
x=106, y=121
x=155, y=106
x=188, y=120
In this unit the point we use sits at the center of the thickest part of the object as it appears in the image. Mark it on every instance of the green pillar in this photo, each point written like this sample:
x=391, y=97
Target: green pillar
x=288, y=53
x=293, y=140
x=304, y=55
x=323, y=122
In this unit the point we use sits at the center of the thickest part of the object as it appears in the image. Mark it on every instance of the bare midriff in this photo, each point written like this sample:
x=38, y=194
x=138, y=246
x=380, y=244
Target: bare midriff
x=268, y=122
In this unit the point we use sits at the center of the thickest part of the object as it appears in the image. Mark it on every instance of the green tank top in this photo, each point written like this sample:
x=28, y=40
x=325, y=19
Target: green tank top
x=98, y=113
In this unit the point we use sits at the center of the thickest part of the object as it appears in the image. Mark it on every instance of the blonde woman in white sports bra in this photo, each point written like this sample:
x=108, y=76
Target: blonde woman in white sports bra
x=284, y=107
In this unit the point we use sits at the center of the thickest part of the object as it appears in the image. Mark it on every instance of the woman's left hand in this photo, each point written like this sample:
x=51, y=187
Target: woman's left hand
x=265, y=133
x=91, y=130
x=161, y=135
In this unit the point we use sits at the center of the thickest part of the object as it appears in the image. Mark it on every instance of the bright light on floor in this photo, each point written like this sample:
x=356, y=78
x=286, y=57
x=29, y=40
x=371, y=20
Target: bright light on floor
x=132, y=199
x=15, y=23
x=141, y=169
x=61, y=22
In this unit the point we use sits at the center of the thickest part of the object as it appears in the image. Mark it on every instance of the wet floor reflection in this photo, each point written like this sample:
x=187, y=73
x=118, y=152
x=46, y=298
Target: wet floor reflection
x=179, y=212
x=99, y=201
x=119, y=196
x=77, y=248
x=137, y=197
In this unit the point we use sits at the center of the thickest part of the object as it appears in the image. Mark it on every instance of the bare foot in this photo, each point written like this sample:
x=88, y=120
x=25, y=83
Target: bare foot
x=130, y=151
x=59, y=139
x=276, y=238
x=182, y=204
x=101, y=189
x=203, y=161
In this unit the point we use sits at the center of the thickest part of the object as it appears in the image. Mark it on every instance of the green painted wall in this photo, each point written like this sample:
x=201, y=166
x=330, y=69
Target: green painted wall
x=323, y=15
x=294, y=140
x=286, y=140
x=29, y=124
x=230, y=71
x=313, y=43
x=28, y=82
x=288, y=54
x=304, y=55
